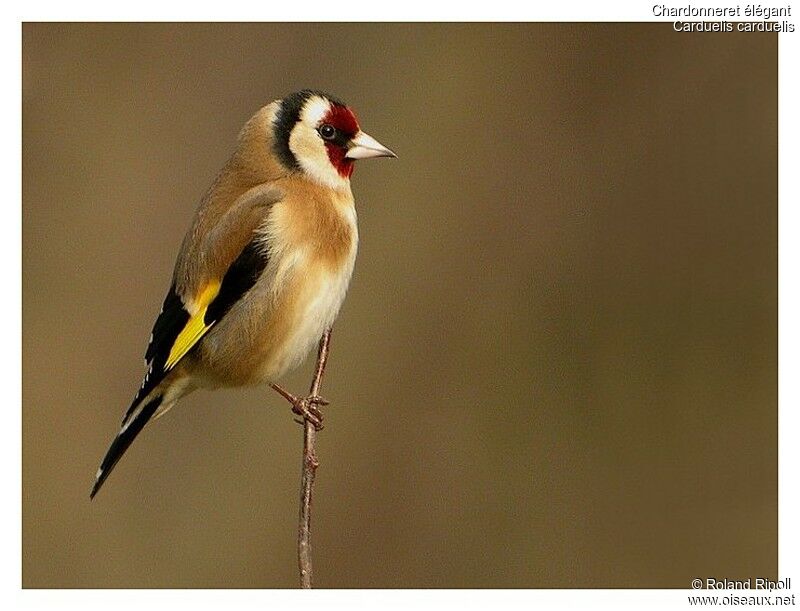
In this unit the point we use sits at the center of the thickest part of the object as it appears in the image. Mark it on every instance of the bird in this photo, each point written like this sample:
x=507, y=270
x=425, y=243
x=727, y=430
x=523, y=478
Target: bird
x=263, y=269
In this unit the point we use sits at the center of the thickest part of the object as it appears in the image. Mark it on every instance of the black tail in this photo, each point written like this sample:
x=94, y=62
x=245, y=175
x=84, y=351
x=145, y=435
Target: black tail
x=123, y=440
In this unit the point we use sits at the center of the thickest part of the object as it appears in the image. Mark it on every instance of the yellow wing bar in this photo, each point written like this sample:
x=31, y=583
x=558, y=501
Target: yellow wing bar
x=195, y=328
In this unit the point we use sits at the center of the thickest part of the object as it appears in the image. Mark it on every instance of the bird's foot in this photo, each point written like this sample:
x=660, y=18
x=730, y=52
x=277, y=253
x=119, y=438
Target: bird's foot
x=307, y=407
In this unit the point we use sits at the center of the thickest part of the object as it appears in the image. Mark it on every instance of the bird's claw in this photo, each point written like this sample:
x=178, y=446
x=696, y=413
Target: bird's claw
x=307, y=407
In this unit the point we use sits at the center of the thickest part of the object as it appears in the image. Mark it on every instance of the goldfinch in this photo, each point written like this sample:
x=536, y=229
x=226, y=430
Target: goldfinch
x=265, y=265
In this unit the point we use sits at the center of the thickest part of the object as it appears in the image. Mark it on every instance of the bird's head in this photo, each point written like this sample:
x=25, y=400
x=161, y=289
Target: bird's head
x=319, y=135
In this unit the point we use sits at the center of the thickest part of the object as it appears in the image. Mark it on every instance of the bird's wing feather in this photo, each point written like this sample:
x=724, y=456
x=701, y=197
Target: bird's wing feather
x=196, y=327
x=221, y=259
x=185, y=319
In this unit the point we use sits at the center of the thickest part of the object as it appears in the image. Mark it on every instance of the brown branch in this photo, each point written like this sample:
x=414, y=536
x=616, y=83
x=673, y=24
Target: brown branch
x=309, y=469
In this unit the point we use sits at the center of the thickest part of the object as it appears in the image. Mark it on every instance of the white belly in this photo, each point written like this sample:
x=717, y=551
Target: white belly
x=318, y=302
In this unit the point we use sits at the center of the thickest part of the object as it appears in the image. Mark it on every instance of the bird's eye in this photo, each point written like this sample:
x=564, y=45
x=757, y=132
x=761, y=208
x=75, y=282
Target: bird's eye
x=328, y=132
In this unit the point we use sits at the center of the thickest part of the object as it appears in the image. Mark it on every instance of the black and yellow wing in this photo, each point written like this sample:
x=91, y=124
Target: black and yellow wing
x=179, y=328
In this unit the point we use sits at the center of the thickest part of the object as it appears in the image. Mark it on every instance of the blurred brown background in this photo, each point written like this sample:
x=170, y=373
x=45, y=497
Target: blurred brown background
x=556, y=366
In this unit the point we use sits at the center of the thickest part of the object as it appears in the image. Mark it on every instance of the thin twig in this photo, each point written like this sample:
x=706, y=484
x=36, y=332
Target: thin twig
x=310, y=465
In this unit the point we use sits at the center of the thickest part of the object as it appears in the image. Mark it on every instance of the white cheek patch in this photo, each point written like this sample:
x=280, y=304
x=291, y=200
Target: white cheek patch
x=309, y=149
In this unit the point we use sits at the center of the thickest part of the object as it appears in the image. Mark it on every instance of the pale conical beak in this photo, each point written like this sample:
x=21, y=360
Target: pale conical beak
x=364, y=146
